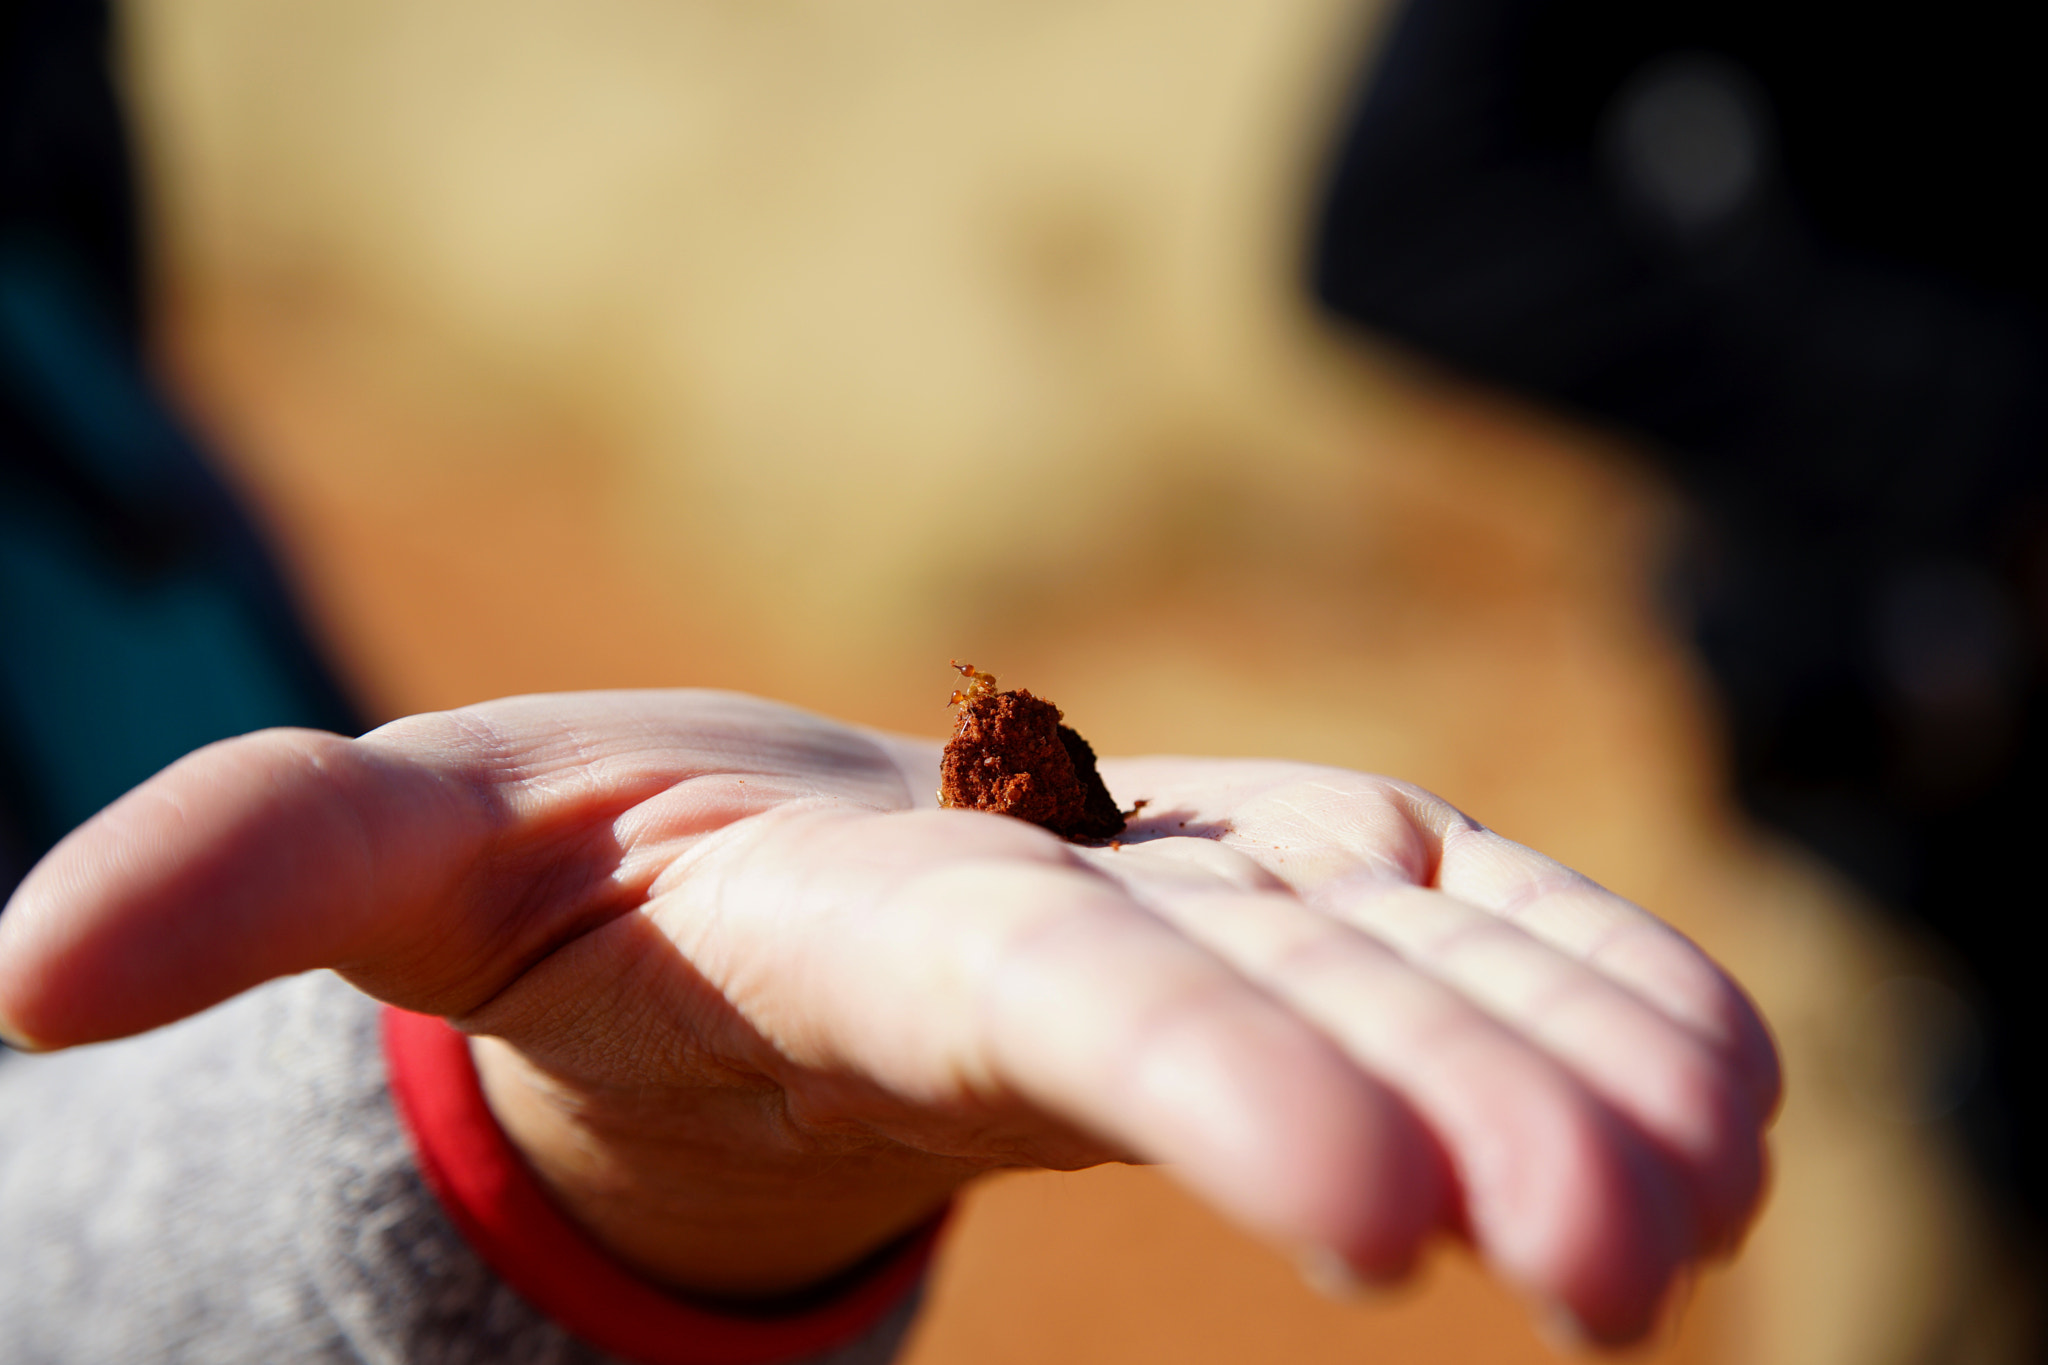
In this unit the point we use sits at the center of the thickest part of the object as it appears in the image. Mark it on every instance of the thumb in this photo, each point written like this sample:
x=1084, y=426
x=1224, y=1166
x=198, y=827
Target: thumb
x=253, y=858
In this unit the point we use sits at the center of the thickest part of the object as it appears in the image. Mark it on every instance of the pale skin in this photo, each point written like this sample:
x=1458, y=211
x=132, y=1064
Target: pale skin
x=752, y=1007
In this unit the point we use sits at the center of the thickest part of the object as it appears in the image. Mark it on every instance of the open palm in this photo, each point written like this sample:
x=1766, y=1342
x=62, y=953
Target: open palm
x=752, y=1005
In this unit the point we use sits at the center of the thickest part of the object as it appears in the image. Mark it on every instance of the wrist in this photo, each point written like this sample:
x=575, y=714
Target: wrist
x=489, y=1191
x=710, y=1191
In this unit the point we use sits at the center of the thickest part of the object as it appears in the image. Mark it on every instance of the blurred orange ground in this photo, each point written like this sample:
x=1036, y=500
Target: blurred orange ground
x=1521, y=673
x=444, y=587
x=798, y=351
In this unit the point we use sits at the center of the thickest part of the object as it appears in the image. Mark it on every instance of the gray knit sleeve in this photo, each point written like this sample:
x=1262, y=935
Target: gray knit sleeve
x=236, y=1188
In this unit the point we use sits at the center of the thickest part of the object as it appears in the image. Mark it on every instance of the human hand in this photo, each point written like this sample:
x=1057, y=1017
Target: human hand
x=752, y=1007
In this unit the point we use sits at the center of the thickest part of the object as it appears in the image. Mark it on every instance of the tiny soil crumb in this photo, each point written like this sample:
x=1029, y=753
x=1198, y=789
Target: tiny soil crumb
x=1010, y=754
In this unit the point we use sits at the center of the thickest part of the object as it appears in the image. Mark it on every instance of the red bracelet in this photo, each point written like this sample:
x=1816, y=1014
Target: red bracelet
x=500, y=1207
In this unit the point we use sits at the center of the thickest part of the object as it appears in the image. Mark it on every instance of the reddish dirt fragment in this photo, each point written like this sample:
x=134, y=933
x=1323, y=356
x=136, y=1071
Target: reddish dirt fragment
x=1010, y=754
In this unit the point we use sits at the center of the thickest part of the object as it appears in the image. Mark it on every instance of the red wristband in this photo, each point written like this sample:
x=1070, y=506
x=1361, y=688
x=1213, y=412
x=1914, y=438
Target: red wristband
x=498, y=1204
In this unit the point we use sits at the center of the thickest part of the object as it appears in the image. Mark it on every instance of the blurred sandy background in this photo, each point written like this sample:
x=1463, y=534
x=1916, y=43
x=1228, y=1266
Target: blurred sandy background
x=800, y=347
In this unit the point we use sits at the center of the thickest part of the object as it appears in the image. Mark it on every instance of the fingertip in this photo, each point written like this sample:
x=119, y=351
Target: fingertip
x=1404, y=1197
x=1569, y=1333
x=1677, y=976
x=1727, y=1241
x=1697, y=992
x=1757, y=1055
x=1688, y=1103
x=1593, y=1229
x=23, y=980
x=14, y=1036
x=1334, y=1162
x=1332, y=1275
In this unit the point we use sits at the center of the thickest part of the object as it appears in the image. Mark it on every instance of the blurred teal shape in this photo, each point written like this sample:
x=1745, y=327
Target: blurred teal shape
x=117, y=674
x=68, y=363
x=140, y=616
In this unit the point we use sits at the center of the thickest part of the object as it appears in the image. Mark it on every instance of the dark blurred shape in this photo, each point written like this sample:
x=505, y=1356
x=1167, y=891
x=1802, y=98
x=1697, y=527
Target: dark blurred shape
x=1799, y=247
x=140, y=614
x=1689, y=144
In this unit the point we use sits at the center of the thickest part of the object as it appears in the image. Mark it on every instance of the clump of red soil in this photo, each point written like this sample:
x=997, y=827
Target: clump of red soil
x=1010, y=754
